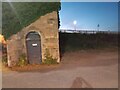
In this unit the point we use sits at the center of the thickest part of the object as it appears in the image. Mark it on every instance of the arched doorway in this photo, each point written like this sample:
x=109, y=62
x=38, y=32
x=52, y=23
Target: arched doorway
x=33, y=45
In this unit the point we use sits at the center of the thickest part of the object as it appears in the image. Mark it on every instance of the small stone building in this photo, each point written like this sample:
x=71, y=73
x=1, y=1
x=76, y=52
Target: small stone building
x=33, y=41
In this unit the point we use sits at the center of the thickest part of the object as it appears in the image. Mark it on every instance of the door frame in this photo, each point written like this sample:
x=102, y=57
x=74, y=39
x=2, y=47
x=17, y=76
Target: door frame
x=39, y=41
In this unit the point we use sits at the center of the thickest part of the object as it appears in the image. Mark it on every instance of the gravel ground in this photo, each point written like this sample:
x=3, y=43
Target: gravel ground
x=81, y=69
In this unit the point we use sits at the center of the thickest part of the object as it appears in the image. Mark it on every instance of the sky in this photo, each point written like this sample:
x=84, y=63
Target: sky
x=88, y=15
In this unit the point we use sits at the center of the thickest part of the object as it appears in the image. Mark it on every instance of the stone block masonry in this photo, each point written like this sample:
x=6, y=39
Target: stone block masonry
x=47, y=27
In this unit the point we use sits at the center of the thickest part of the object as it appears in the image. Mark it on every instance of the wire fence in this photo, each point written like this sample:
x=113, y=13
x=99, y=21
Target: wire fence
x=87, y=31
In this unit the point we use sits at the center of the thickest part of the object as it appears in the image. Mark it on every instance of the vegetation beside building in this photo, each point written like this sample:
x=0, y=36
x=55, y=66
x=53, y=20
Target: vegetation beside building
x=78, y=41
x=17, y=15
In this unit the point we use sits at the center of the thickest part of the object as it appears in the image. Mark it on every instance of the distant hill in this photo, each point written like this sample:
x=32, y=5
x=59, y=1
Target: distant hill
x=17, y=15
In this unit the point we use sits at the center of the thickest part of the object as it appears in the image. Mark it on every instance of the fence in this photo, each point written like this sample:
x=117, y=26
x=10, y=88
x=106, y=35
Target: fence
x=87, y=31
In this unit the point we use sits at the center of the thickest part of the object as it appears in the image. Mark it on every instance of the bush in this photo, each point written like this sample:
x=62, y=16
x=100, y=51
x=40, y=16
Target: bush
x=49, y=59
x=86, y=41
x=22, y=60
x=4, y=60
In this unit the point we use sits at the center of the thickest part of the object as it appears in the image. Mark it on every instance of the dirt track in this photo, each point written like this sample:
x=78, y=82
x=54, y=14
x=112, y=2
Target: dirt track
x=82, y=69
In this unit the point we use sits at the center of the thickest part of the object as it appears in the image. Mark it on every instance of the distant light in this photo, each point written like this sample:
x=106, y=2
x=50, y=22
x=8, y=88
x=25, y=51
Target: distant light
x=74, y=22
x=8, y=1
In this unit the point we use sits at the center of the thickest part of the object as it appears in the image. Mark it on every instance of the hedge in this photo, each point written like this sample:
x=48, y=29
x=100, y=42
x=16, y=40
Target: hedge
x=16, y=15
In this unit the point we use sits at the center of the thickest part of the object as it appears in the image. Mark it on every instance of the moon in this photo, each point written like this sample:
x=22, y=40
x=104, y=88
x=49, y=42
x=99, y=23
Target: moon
x=74, y=22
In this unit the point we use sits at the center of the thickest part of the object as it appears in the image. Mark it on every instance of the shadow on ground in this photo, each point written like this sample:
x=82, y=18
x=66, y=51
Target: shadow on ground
x=80, y=83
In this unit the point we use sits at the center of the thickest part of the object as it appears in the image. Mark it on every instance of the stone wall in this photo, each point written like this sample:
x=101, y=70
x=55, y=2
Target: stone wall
x=47, y=27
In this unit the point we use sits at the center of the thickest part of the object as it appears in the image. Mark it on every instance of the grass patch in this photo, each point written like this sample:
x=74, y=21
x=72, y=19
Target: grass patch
x=49, y=58
x=22, y=60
